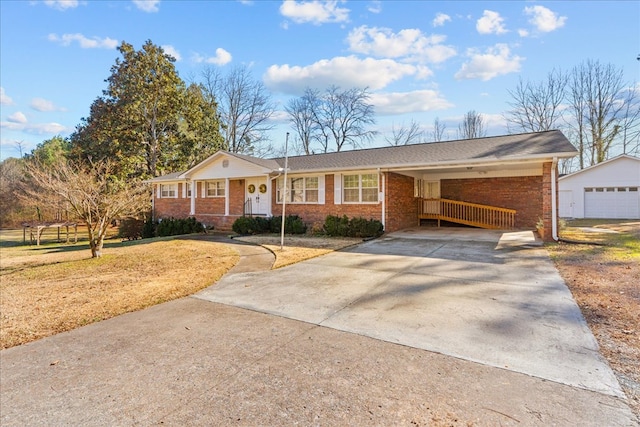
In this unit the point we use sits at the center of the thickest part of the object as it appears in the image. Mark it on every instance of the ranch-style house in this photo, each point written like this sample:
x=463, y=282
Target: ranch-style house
x=501, y=182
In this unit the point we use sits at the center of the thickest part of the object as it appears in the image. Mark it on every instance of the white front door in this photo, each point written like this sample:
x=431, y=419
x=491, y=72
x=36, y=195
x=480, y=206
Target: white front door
x=256, y=196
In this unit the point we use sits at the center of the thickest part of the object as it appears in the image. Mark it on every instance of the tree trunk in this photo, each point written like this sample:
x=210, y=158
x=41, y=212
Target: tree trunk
x=96, y=240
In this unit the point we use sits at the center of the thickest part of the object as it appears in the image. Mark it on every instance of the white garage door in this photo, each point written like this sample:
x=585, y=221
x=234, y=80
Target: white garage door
x=612, y=202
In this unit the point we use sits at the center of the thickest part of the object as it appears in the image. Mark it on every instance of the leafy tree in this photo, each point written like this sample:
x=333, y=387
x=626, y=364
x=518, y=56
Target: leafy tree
x=147, y=121
x=199, y=126
x=12, y=177
x=90, y=191
x=50, y=151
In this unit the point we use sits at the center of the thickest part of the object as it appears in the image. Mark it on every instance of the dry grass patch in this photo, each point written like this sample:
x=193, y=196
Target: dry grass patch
x=60, y=289
x=604, y=281
x=299, y=248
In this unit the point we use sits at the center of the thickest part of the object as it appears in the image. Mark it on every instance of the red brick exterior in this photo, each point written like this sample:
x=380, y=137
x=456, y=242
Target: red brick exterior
x=529, y=195
x=172, y=208
x=315, y=214
x=401, y=208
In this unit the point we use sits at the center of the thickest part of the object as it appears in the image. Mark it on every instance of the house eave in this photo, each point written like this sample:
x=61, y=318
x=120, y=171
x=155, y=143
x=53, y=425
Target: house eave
x=546, y=157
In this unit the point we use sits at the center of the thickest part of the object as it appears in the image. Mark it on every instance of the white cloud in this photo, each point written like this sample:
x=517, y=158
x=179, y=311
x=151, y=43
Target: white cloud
x=315, y=11
x=4, y=98
x=375, y=6
x=440, y=19
x=523, y=33
x=62, y=4
x=495, y=61
x=36, y=128
x=491, y=23
x=84, y=42
x=17, y=117
x=43, y=105
x=408, y=102
x=147, y=5
x=544, y=19
x=346, y=72
x=170, y=50
x=222, y=57
x=409, y=43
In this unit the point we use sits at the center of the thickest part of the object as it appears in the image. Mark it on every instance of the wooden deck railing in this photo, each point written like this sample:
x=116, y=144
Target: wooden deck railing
x=473, y=214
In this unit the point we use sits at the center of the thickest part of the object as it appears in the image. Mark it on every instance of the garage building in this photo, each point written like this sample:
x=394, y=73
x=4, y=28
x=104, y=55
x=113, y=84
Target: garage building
x=610, y=189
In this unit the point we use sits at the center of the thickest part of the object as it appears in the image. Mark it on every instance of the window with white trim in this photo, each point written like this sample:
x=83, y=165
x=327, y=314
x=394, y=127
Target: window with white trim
x=215, y=189
x=299, y=189
x=186, y=193
x=360, y=188
x=168, y=191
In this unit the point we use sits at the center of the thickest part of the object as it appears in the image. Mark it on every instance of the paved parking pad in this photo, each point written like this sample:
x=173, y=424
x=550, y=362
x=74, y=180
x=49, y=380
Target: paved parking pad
x=503, y=307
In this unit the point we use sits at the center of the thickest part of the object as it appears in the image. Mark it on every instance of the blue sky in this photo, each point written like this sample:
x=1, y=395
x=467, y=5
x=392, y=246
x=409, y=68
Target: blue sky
x=419, y=59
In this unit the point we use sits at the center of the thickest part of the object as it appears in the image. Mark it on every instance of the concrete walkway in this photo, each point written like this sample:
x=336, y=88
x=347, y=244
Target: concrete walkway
x=194, y=362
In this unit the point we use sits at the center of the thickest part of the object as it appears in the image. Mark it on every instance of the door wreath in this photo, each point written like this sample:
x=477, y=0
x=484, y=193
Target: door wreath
x=263, y=188
x=252, y=188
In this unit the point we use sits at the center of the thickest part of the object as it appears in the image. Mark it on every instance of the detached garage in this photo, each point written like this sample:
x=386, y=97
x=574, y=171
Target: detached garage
x=610, y=189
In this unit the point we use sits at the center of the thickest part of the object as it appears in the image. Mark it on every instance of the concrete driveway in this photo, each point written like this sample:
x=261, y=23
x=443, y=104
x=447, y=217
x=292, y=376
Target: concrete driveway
x=482, y=296
x=197, y=363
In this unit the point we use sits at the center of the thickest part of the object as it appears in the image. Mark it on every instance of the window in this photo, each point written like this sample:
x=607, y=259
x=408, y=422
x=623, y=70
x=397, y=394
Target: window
x=215, y=189
x=300, y=190
x=360, y=188
x=168, y=190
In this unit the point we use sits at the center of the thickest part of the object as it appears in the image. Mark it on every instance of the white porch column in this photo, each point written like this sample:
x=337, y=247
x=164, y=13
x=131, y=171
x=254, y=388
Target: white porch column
x=226, y=197
x=193, y=198
x=268, y=195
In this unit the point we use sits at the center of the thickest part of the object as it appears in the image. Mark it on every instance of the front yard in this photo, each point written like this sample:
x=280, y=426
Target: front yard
x=57, y=287
x=605, y=281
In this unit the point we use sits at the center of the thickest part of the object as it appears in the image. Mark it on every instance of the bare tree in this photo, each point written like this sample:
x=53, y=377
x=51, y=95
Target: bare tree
x=245, y=108
x=20, y=146
x=303, y=120
x=472, y=126
x=349, y=113
x=536, y=107
x=439, y=128
x=405, y=135
x=335, y=117
x=599, y=108
x=91, y=193
x=630, y=122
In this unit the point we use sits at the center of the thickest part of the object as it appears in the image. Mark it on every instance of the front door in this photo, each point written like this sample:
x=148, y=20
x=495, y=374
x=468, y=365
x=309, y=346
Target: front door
x=256, y=196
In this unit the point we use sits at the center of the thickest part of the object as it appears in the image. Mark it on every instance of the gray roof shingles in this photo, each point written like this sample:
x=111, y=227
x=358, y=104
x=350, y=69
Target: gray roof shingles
x=508, y=147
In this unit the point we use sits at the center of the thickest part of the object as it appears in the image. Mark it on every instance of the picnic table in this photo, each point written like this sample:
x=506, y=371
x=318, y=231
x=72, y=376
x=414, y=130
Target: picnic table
x=36, y=228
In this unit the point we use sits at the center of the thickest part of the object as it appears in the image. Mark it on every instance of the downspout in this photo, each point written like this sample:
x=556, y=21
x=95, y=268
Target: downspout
x=384, y=204
x=554, y=208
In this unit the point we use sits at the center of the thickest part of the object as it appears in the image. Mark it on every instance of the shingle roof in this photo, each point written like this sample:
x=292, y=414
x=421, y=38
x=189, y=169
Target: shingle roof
x=523, y=146
x=508, y=147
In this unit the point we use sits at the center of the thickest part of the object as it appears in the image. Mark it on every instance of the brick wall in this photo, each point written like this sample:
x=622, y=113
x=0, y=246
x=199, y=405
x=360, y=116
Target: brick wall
x=401, y=206
x=524, y=194
x=546, y=200
x=314, y=215
x=170, y=207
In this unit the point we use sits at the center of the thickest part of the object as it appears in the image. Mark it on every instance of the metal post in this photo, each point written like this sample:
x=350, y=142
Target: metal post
x=284, y=194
